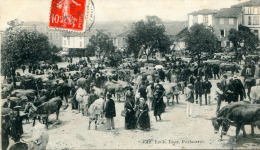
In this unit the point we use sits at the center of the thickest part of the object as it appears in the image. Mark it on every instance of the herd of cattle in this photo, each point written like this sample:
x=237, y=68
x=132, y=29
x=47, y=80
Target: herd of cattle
x=33, y=95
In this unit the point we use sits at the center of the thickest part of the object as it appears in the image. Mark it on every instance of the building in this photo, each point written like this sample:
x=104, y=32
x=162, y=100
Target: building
x=42, y=27
x=204, y=16
x=224, y=20
x=119, y=40
x=75, y=41
x=251, y=15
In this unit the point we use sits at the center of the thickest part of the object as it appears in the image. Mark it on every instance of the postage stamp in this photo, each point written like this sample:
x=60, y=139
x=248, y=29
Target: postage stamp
x=71, y=15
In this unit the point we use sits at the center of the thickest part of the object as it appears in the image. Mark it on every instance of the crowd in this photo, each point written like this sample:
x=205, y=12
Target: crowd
x=144, y=92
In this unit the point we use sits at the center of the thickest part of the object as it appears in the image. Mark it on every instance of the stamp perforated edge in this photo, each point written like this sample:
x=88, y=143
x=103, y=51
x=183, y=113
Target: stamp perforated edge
x=87, y=7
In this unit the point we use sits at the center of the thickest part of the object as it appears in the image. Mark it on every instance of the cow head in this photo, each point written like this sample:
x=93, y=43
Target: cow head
x=216, y=122
x=225, y=125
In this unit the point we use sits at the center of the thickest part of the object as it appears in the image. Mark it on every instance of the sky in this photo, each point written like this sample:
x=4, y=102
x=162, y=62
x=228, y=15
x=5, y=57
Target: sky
x=112, y=10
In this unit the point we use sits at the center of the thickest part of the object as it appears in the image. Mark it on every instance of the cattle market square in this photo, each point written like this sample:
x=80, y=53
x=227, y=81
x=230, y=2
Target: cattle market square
x=143, y=88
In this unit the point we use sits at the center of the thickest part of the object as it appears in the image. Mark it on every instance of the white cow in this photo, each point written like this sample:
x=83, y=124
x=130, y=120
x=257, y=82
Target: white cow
x=255, y=94
x=95, y=111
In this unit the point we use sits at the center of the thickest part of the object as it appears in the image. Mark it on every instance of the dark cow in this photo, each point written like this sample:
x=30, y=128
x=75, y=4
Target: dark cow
x=46, y=108
x=237, y=114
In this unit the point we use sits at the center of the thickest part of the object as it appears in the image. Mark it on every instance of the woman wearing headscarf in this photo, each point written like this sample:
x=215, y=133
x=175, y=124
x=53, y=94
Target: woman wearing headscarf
x=143, y=121
x=130, y=120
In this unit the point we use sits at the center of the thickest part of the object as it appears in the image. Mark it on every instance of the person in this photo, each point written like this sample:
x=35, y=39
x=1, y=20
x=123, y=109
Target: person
x=192, y=79
x=9, y=103
x=161, y=75
x=110, y=112
x=189, y=95
x=129, y=95
x=239, y=89
x=215, y=71
x=6, y=125
x=142, y=90
x=219, y=96
x=149, y=91
x=16, y=124
x=229, y=91
x=130, y=120
x=198, y=90
x=159, y=105
x=66, y=92
x=206, y=87
x=143, y=121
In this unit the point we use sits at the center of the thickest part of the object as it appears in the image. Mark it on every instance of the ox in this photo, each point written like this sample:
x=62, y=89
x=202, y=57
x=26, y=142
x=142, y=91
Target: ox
x=95, y=111
x=237, y=114
x=45, y=109
x=116, y=87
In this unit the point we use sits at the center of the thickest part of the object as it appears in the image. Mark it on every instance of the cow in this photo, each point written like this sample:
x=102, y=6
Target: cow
x=95, y=111
x=237, y=114
x=255, y=94
x=45, y=109
x=116, y=88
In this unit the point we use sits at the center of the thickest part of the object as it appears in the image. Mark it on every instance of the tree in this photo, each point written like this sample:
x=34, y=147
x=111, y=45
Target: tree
x=102, y=44
x=201, y=39
x=243, y=36
x=115, y=59
x=148, y=37
x=22, y=47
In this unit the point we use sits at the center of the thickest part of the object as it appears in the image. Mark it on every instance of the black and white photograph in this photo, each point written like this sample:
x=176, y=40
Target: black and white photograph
x=130, y=74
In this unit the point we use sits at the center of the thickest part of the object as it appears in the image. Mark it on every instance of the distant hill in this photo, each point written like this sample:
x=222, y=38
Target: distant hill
x=115, y=28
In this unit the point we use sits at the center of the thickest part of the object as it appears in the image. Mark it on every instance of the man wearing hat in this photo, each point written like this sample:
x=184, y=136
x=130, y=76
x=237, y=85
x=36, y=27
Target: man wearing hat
x=9, y=103
x=110, y=112
x=239, y=89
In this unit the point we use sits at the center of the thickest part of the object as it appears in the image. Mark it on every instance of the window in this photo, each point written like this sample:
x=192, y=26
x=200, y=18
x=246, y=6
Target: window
x=69, y=42
x=231, y=21
x=57, y=36
x=205, y=18
x=228, y=44
x=222, y=33
x=64, y=42
x=246, y=10
x=256, y=33
x=249, y=20
x=256, y=20
x=221, y=20
x=80, y=44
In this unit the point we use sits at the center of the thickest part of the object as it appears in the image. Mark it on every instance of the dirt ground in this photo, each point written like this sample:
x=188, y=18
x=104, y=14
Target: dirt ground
x=175, y=131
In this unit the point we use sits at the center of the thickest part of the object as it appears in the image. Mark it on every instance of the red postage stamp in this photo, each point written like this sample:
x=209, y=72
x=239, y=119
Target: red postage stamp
x=69, y=15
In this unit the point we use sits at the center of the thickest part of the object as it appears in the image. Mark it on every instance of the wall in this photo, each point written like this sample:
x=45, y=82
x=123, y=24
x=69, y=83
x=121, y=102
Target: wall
x=226, y=27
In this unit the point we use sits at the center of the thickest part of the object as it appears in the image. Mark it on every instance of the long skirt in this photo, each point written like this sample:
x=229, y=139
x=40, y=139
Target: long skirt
x=159, y=108
x=130, y=120
x=143, y=121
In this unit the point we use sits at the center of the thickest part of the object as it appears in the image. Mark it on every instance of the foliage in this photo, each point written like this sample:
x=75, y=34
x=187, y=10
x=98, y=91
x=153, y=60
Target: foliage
x=201, y=39
x=24, y=47
x=115, y=59
x=148, y=37
x=102, y=44
x=243, y=36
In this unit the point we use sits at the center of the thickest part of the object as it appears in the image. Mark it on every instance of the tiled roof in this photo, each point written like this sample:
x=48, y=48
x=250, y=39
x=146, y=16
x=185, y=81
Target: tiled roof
x=228, y=13
x=248, y=3
x=204, y=12
x=173, y=28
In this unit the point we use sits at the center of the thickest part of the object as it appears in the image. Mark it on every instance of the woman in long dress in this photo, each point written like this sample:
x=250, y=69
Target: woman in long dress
x=143, y=121
x=130, y=119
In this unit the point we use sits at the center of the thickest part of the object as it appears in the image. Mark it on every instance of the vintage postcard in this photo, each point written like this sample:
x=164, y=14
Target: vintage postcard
x=130, y=74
